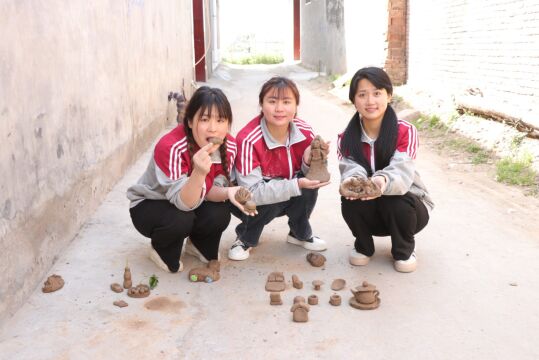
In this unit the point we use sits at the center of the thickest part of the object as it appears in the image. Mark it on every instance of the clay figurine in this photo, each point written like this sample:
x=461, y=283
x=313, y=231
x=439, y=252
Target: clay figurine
x=299, y=299
x=296, y=282
x=312, y=299
x=316, y=259
x=275, y=282
x=243, y=196
x=335, y=300
x=127, y=277
x=215, y=140
x=357, y=187
x=300, y=311
x=117, y=288
x=53, y=283
x=365, y=297
x=120, y=303
x=208, y=274
x=318, y=169
x=139, y=291
x=275, y=298
x=317, y=284
x=338, y=284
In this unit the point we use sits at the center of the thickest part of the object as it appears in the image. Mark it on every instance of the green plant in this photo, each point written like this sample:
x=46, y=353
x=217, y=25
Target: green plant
x=255, y=59
x=154, y=280
x=516, y=171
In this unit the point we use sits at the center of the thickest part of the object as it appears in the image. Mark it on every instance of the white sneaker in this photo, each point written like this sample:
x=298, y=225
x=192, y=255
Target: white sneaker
x=239, y=251
x=154, y=256
x=406, y=266
x=357, y=258
x=314, y=244
x=192, y=250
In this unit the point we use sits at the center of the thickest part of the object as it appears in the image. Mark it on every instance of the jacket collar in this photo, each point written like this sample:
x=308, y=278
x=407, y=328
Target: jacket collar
x=364, y=137
x=294, y=135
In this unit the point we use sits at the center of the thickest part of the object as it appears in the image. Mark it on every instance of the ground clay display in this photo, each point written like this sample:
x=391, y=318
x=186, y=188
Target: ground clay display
x=243, y=196
x=312, y=300
x=139, y=291
x=317, y=284
x=209, y=273
x=275, y=282
x=338, y=284
x=215, y=140
x=318, y=169
x=335, y=300
x=127, y=278
x=275, y=298
x=117, y=288
x=316, y=259
x=53, y=283
x=357, y=187
x=120, y=303
x=296, y=282
x=300, y=311
x=365, y=297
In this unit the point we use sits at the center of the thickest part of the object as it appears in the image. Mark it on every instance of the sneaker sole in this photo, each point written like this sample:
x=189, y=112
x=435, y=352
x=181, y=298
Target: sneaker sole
x=408, y=268
x=359, y=262
x=305, y=244
x=239, y=258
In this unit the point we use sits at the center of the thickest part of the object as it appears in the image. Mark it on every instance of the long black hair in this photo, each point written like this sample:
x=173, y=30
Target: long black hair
x=205, y=98
x=386, y=143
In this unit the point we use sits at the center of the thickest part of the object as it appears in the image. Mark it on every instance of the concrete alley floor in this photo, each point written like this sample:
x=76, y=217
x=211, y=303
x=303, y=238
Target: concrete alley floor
x=475, y=293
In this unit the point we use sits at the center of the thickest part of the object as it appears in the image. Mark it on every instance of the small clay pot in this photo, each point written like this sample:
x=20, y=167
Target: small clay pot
x=312, y=300
x=317, y=284
x=335, y=300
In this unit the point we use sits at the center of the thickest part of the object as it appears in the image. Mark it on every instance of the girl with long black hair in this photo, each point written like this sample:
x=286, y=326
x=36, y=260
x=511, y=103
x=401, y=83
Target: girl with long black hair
x=378, y=146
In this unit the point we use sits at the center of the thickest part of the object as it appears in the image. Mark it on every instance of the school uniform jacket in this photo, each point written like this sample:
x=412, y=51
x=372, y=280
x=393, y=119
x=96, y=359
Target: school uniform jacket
x=170, y=167
x=267, y=168
x=401, y=175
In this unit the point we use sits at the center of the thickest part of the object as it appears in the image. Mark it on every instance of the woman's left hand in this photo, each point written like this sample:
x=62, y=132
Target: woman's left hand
x=379, y=181
x=231, y=192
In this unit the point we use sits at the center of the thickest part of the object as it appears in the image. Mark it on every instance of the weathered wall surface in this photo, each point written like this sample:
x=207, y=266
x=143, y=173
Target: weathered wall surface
x=83, y=90
x=323, y=44
x=491, y=45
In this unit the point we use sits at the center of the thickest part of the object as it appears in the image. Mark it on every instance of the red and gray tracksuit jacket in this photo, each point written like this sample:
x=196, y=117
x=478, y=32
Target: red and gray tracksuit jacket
x=400, y=174
x=170, y=167
x=267, y=168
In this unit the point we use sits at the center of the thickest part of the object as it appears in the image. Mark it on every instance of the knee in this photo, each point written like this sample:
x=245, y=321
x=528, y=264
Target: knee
x=399, y=204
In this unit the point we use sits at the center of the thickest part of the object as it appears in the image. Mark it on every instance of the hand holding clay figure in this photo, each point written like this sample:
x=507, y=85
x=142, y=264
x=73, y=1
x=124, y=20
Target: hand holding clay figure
x=318, y=143
x=202, y=160
x=380, y=182
x=354, y=188
x=305, y=183
x=240, y=197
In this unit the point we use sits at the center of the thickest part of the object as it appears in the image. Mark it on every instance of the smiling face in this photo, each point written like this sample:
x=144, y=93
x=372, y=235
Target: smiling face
x=370, y=102
x=279, y=107
x=208, y=124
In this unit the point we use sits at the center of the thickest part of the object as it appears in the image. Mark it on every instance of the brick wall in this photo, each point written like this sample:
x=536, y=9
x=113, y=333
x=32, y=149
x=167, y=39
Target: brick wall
x=492, y=45
x=395, y=63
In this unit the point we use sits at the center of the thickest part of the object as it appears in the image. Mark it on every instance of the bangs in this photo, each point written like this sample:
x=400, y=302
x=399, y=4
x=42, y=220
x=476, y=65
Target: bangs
x=211, y=102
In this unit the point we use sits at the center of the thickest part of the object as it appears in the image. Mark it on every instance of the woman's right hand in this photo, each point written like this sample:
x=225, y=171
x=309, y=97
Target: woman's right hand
x=202, y=160
x=305, y=183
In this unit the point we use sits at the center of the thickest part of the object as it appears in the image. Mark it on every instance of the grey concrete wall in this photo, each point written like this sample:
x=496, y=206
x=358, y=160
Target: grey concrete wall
x=322, y=36
x=83, y=90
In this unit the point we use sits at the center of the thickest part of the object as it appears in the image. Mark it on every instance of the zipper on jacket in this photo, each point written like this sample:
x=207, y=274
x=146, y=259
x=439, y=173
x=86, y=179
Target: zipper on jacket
x=289, y=162
x=372, y=157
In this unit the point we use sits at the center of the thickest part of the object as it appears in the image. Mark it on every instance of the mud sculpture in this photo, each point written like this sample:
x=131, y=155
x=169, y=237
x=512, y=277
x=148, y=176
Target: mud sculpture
x=53, y=283
x=275, y=282
x=208, y=274
x=357, y=187
x=120, y=303
x=117, y=288
x=317, y=284
x=365, y=297
x=318, y=169
x=335, y=300
x=316, y=259
x=215, y=140
x=275, y=298
x=127, y=277
x=243, y=196
x=139, y=291
x=338, y=284
x=296, y=282
x=300, y=310
x=312, y=299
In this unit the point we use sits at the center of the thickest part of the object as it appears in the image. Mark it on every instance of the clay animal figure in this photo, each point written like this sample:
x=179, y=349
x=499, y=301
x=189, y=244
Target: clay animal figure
x=275, y=298
x=357, y=187
x=316, y=259
x=207, y=274
x=275, y=282
x=300, y=312
x=296, y=282
x=127, y=278
x=53, y=283
x=243, y=196
x=117, y=288
x=139, y=291
x=318, y=169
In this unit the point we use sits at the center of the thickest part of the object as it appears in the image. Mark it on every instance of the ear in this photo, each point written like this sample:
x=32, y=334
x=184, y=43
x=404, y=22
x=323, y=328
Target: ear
x=389, y=97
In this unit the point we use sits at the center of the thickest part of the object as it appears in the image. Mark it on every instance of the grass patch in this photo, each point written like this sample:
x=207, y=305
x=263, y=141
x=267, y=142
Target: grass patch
x=255, y=59
x=429, y=123
x=516, y=171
